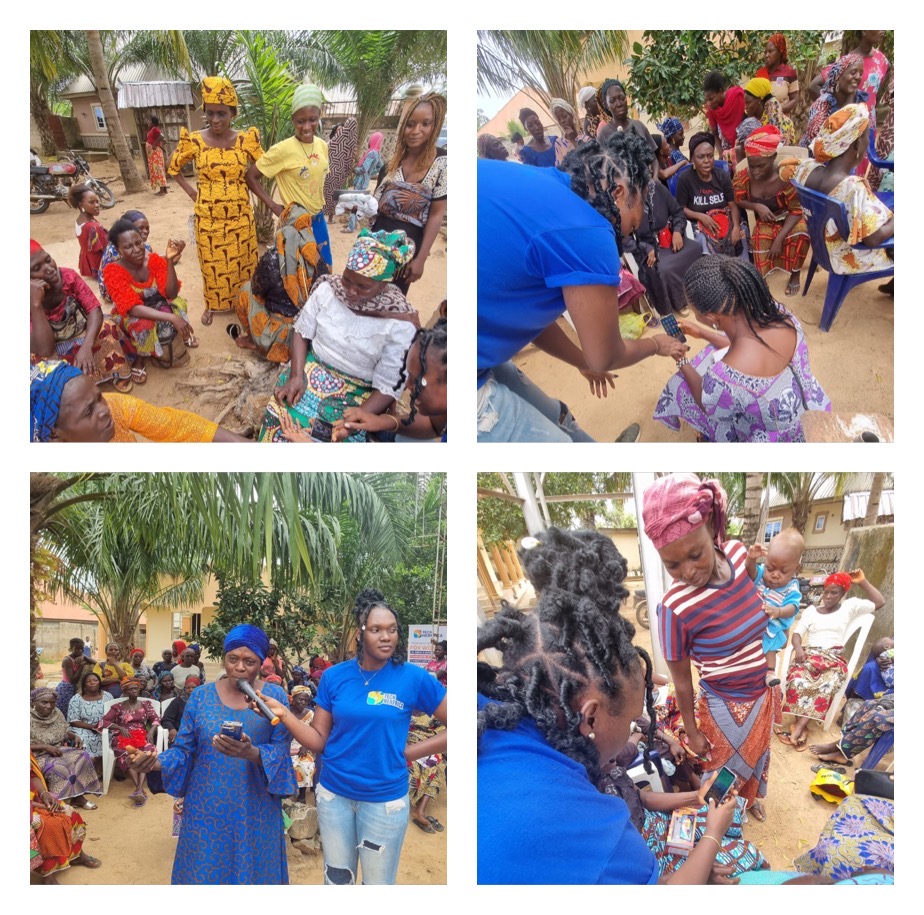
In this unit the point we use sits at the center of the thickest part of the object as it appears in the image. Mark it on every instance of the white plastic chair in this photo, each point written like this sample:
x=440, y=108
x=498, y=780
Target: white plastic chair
x=108, y=755
x=859, y=627
x=163, y=737
x=641, y=777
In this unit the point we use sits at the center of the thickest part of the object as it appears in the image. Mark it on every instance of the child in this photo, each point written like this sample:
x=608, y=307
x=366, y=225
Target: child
x=91, y=236
x=777, y=584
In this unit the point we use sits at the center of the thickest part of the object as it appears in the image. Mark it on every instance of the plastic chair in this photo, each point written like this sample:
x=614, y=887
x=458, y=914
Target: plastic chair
x=163, y=738
x=881, y=164
x=108, y=755
x=819, y=209
x=642, y=778
x=859, y=627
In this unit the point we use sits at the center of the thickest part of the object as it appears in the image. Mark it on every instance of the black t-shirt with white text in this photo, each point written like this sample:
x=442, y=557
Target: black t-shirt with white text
x=703, y=196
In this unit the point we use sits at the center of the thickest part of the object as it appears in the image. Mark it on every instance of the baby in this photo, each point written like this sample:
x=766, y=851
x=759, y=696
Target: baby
x=777, y=584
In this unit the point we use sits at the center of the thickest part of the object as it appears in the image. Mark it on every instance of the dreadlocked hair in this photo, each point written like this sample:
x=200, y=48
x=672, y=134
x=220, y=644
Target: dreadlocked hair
x=596, y=167
x=433, y=345
x=574, y=639
x=717, y=284
x=366, y=601
x=438, y=103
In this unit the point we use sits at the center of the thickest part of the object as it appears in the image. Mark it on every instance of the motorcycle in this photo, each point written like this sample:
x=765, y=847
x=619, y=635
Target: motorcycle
x=54, y=181
x=640, y=605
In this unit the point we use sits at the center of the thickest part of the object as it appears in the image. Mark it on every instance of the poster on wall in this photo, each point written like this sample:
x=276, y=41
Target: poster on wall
x=420, y=643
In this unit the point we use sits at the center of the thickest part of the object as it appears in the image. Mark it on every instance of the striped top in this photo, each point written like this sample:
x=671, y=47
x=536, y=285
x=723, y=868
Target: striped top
x=719, y=627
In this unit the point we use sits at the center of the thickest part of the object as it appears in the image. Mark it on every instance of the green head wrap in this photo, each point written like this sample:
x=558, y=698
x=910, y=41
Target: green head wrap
x=307, y=95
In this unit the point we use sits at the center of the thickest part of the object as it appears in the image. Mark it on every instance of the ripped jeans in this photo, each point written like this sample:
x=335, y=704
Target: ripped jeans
x=367, y=833
x=512, y=409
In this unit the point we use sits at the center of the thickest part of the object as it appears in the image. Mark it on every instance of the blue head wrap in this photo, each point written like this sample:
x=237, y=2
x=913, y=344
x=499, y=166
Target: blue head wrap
x=134, y=215
x=298, y=669
x=46, y=385
x=669, y=127
x=247, y=636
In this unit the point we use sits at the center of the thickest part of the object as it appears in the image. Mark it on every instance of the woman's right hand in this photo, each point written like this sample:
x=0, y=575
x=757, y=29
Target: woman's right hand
x=51, y=750
x=697, y=742
x=183, y=326
x=670, y=347
x=707, y=222
x=718, y=819
x=49, y=802
x=762, y=212
x=691, y=329
x=293, y=390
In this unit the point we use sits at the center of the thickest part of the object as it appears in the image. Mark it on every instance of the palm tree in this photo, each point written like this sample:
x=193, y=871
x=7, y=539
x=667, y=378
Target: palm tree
x=800, y=490
x=753, y=504
x=546, y=64
x=875, y=496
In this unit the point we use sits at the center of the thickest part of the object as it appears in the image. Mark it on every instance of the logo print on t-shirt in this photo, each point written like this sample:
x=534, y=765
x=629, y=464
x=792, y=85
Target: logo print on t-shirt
x=377, y=698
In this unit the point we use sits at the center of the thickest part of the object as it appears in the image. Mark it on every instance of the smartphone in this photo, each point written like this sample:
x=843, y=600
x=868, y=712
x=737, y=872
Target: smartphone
x=232, y=729
x=724, y=782
x=670, y=325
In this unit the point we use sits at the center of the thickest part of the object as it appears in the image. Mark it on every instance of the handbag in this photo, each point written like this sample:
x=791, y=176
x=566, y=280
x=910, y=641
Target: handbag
x=831, y=785
x=875, y=783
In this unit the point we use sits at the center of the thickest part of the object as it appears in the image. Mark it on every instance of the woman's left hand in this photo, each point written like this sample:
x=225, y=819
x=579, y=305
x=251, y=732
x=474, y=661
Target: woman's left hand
x=598, y=381
x=241, y=749
x=650, y=260
x=75, y=740
x=857, y=576
x=776, y=248
x=291, y=429
x=736, y=235
x=175, y=249
x=415, y=269
x=84, y=359
x=677, y=241
x=49, y=801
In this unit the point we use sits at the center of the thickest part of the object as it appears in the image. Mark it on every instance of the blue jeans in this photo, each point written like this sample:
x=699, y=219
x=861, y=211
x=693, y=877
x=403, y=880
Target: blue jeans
x=512, y=409
x=361, y=832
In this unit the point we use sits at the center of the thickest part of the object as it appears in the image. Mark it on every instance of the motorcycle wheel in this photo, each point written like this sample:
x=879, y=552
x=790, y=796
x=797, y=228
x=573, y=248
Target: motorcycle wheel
x=641, y=614
x=107, y=200
x=38, y=206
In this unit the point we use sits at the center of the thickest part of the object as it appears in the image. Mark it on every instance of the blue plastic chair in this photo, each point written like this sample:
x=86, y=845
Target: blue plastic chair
x=672, y=181
x=818, y=209
x=879, y=749
x=887, y=197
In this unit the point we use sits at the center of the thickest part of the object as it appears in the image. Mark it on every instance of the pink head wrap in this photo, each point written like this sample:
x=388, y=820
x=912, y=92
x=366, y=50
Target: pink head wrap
x=841, y=579
x=677, y=504
x=375, y=140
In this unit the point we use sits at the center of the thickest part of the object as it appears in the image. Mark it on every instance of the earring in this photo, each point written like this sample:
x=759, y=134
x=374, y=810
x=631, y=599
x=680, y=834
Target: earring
x=592, y=736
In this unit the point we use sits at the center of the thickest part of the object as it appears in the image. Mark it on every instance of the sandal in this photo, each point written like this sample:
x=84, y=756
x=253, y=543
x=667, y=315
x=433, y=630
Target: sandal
x=784, y=737
x=139, y=374
x=801, y=744
x=436, y=824
x=123, y=385
x=207, y=317
x=757, y=811
x=85, y=860
x=191, y=342
x=233, y=331
x=829, y=768
x=424, y=827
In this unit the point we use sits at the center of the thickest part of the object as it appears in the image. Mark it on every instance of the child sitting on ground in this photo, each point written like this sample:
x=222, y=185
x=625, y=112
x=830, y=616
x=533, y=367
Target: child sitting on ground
x=777, y=584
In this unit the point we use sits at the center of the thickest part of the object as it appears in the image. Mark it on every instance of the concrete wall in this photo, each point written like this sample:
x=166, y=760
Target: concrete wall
x=834, y=534
x=872, y=549
x=93, y=137
x=161, y=629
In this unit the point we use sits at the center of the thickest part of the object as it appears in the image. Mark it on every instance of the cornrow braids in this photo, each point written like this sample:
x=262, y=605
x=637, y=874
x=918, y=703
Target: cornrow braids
x=574, y=639
x=433, y=343
x=438, y=103
x=596, y=167
x=716, y=284
x=366, y=601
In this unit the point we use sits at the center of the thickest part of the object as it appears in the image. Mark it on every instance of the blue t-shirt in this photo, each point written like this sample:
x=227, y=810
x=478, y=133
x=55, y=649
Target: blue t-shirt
x=541, y=820
x=535, y=236
x=529, y=156
x=363, y=759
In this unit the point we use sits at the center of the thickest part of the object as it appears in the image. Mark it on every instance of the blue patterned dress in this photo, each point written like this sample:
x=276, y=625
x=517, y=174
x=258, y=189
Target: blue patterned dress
x=232, y=817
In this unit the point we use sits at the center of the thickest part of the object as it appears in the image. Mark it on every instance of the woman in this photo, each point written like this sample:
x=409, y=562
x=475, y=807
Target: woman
x=663, y=251
x=817, y=668
x=780, y=239
x=154, y=145
x=708, y=199
x=438, y=663
x=133, y=727
x=840, y=90
x=360, y=326
x=57, y=831
x=839, y=147
x=783, y=79
x=873, y=719
x=110, y=255
x=226, y=237
x=145, y=291
x=413, y=186
x=875, y=68
x=67, y=322
x=370, y=165
x=196, y=649
x=534, y=263
x=142, y=671
x=272, y=665
x=302, y=707
x=299, y=165
x=540, y=150
x=72, y=665
x=178, y=646
x=672, y=131
x=269, y=304
x=342, y=151
x=425, y=367
x=165, y=663
x=760, y=103
x=363, y=791
x=86, y=709
x=724, y=111
x=91, y=236
x=166, y=686
x=554, y=715
x=65, y=406
x=187, y=666
x=569, y=139
x=616, y=103
x=232, y=788
x=172, y=716
x=753, y=381
x=114, y=671
x=713, y=616
x=587, y=97
x=426, y=774
x=490, y=147
x=59, y=753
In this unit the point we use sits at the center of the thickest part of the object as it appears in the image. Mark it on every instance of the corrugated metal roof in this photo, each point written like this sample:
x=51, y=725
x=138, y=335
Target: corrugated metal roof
x=856, y=482
x=132, y=73
x=855, y=504
x=154, y=94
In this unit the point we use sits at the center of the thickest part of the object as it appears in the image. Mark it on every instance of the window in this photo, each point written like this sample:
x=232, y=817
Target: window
x=195, y=625
x=820, y=520
x=100, y=118
x=771, y=530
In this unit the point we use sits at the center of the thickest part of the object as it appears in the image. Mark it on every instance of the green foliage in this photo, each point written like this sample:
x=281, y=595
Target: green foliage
x=667, y=68
x=498, y=519
x=514, y=126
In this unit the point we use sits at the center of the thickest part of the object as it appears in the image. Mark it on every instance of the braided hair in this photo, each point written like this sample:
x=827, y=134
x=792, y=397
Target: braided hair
x=717, y=284
x=433, y=344
x=595, y=168
x=438, y=103
x=575, y=638
x=366, y=601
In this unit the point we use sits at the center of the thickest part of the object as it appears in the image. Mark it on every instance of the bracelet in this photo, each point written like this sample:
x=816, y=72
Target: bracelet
x=714, y=839
x=657, y=349
x=397, y=424
x=682, y=362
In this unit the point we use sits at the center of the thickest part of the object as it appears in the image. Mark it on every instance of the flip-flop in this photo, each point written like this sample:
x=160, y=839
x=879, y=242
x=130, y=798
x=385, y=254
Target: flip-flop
x=233, y=331
x=801, y=744
x=206, y=317
x=784, y=737
x=139, y=374
x=831, y=767
x=424, y=827
x=757, y=811
x=89, y=861
x=123, y=385
x=191, y=342
x=436, y=824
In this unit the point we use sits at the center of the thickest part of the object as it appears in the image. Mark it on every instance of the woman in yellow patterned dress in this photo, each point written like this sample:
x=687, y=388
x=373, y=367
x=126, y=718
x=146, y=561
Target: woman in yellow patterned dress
x=226, y=236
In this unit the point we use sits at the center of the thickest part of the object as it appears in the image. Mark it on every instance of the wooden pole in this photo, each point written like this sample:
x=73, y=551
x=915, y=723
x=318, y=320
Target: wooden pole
x=500, y=567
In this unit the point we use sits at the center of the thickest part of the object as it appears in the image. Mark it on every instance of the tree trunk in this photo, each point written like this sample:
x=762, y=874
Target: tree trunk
x=38, y=108
x=753, y=489
x=875, y=495
x=134, y=183
x=801, y=508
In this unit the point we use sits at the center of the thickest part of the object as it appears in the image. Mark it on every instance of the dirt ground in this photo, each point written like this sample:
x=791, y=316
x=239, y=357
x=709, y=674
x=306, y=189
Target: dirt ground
x=861, y=338
x=171, y=217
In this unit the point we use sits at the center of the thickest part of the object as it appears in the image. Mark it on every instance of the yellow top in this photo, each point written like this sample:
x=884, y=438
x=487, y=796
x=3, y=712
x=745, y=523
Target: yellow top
x=299, y=169
x=124, y=669
x=157, y=424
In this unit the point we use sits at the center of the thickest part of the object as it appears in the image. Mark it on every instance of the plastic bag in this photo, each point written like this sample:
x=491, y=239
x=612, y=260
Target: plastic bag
x=631, y=326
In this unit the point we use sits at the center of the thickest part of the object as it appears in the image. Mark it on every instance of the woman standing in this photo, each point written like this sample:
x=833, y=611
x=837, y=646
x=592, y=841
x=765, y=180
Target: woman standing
x=85, y=711
x=840, y=90
x=617, y=104
x=226, y=237
x=569, y=139
x=154, y=144
x=587, y=97
x=784, y=80
x=361, y=725
x=371, y=163
x=300, y=165
x=72, y=665
x=713, y=616
x=724, y=110
x=342, y=149
x=412, y=187
x=540, y=150
x=233, y=788
x=760, y=103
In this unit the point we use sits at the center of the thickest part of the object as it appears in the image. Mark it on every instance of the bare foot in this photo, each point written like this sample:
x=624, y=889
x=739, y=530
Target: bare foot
x=85, y=860
x=825, y=755
x=245, y=343
x=206, y=317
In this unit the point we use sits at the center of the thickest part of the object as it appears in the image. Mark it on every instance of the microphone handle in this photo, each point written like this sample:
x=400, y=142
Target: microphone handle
x=273, y=719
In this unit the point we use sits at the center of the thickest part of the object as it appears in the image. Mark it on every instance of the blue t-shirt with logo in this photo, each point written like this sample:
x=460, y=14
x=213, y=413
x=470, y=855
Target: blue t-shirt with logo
x=363, y=759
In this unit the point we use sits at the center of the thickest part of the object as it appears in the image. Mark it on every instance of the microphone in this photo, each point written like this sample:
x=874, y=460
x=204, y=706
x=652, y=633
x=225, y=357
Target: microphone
x=245, y=687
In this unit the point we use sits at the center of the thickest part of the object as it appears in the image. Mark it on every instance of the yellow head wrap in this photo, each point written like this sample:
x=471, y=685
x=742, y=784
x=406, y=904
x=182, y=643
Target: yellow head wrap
x=840, y=131
x=758, y=87
x=216, y=90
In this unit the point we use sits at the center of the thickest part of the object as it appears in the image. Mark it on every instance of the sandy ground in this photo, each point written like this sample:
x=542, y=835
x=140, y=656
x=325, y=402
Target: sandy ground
x=861, y=338
x=170, y=217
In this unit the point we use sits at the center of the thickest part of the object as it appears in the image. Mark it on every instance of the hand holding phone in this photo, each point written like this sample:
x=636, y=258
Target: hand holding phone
x=723, y=782
x=670, y=325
